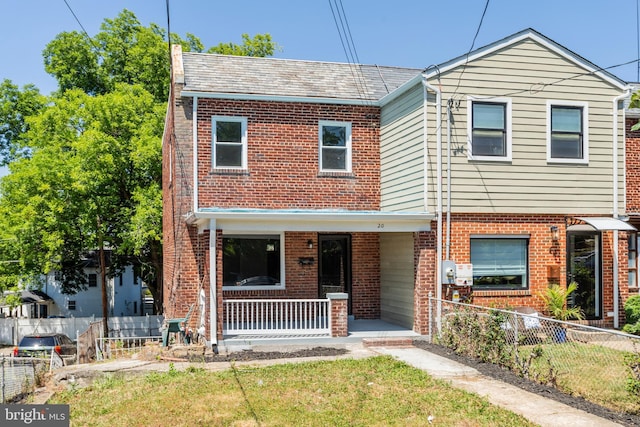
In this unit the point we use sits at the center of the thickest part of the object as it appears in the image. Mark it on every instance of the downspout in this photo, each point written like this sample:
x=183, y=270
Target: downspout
x=616, y=267
x=213, y=289
x=438, y=190
x=195, y=153
x=448, y=238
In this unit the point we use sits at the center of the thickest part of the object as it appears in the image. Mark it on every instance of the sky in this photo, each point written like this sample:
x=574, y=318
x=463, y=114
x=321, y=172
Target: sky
x=404, y=33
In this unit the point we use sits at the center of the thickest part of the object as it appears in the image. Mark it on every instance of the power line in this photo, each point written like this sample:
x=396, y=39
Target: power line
x=348, y=46
x=81, y=26
x=473, y=43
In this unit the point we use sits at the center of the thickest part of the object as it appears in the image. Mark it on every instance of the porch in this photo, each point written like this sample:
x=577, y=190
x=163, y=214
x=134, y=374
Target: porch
x=357, y=330
x=301, y=319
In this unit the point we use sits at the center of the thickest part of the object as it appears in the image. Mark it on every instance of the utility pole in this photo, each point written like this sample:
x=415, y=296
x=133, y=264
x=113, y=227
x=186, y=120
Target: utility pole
x=103, y=279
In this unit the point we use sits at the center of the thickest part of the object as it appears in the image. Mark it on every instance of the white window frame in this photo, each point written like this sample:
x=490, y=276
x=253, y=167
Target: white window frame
x=519, y=237
x=508, y=131
x=214, y=142
x=347, y=126
x=585, y=131
x=249, y=234
x=635, y=236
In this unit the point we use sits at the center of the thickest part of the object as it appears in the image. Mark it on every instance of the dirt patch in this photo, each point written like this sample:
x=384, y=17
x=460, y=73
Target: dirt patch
x=504, y=375
x=248, y=355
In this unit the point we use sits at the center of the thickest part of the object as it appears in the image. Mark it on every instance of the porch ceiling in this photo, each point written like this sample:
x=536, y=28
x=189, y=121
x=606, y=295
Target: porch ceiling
x=313, y=220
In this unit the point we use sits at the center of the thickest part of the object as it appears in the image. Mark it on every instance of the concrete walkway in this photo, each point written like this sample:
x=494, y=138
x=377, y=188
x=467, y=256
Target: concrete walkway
x=535, y=408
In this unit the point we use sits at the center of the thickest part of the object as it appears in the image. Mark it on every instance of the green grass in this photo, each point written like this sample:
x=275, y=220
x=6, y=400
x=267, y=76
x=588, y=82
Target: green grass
x=378, y=391
x=597, y=373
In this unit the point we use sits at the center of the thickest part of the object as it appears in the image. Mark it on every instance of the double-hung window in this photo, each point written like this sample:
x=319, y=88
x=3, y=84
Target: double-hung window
x=633, y=260
x=567, y=132
x=489, y=129
x=500, y=262
x=335, y=146
x=252, y=261
x=229, y=140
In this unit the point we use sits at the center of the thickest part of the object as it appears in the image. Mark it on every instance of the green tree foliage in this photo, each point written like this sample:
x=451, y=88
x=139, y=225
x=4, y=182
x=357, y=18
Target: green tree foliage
x=86, y=163
x=78, y=188
x=15, y=106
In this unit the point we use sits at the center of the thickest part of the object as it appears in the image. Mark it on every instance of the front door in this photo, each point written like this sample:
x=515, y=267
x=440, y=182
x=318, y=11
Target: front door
x=584, y=266
x=334, y=265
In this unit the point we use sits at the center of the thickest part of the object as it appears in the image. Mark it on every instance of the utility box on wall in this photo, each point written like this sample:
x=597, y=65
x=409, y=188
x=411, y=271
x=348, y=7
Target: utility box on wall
x=464, y=274
x=553, y=274
x=448, y=272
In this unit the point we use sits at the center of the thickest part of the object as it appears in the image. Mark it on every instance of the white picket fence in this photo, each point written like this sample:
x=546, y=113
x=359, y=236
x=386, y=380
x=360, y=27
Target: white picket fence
x=13, y=329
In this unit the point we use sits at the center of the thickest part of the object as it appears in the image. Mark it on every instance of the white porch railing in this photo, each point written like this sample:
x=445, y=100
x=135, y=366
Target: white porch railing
x=276, y=317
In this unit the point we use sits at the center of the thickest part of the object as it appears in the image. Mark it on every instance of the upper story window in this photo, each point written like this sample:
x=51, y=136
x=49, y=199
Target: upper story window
x=500, y=262
x=93, y=280
x=229, y=139
x=567, y=133
x=335, y=146
x=489, y=129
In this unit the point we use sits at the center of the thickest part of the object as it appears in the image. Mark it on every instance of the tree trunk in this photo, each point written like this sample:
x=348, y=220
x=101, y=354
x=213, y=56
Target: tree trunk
x=103, y=279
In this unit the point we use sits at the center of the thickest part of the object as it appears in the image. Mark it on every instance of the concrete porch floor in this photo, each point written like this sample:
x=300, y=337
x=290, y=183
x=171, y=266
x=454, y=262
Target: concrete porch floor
x=358, y=329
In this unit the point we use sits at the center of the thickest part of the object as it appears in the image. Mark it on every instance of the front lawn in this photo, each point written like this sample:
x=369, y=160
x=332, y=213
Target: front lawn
x=377, y=391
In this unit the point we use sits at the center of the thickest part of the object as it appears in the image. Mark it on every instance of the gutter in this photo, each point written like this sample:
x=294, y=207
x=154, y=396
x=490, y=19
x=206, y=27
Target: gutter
x=438, y=191
x=194, y=122
x=616, y=196
x=213, y=289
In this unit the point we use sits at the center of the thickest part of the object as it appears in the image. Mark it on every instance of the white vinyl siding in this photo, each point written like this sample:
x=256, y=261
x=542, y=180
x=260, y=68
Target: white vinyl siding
x=530, y=75
x=402, y=154
x=396, y=278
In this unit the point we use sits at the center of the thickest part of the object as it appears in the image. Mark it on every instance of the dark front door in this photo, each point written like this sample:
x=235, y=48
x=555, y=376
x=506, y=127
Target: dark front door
x=335, y=265
x=584, y=267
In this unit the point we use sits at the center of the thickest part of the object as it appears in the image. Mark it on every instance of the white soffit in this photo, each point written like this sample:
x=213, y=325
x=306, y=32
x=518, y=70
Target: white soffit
x=607, y=223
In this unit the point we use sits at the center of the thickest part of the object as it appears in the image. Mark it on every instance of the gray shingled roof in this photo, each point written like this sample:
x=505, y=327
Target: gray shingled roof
x=210, y=73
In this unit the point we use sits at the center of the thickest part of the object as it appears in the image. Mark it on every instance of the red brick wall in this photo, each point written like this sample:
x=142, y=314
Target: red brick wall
x=632, y=164
x=425, y=259
x=283, y=169
x=543, y=252
x=301, y=281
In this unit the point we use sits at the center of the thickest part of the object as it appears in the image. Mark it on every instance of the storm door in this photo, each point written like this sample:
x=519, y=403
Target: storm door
x=584, y=267
x=334, y=265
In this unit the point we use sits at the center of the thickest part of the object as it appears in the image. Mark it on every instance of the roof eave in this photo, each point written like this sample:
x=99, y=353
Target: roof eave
x=276, y=98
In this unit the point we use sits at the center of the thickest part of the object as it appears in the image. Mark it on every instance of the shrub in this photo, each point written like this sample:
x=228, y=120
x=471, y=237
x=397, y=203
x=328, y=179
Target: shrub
x=632, y=314
x=632, y=309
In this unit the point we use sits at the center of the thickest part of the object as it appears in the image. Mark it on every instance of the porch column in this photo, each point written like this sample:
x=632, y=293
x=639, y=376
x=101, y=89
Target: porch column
x=339, y=314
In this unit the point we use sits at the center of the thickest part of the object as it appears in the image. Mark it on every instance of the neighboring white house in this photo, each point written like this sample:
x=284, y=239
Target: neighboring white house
x=125, y=296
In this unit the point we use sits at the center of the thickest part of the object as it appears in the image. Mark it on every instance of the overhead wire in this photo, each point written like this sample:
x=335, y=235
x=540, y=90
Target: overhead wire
x=82, y=26
x=473, y=43
x=348, y=46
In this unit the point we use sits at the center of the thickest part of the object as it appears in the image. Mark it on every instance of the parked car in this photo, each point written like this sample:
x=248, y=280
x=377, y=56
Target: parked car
x=41, y=345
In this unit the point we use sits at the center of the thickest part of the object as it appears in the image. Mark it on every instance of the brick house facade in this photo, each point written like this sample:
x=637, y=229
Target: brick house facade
x=289, y=179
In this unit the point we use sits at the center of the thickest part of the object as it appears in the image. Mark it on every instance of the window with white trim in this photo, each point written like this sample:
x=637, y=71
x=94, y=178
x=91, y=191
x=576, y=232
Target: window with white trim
x=567, y=132
x=229, y=140
x=252, y=261
x=335, y=146
x=489, y=129
x=633, y=259
x=500, y=262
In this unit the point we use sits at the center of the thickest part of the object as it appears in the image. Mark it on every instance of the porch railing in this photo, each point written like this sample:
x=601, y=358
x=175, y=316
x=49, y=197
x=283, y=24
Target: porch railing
x=276, y=317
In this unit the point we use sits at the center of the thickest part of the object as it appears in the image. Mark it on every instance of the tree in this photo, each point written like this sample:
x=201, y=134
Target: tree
x=15, y=106
x=89, y=178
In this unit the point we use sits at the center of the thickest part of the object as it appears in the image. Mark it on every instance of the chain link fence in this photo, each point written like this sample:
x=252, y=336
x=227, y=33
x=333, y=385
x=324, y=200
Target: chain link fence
x=19, y=376
x=600, y=365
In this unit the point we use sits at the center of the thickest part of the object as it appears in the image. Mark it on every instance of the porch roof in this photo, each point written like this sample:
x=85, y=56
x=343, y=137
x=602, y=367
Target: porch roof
x=312, y=220
x=607, y=223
